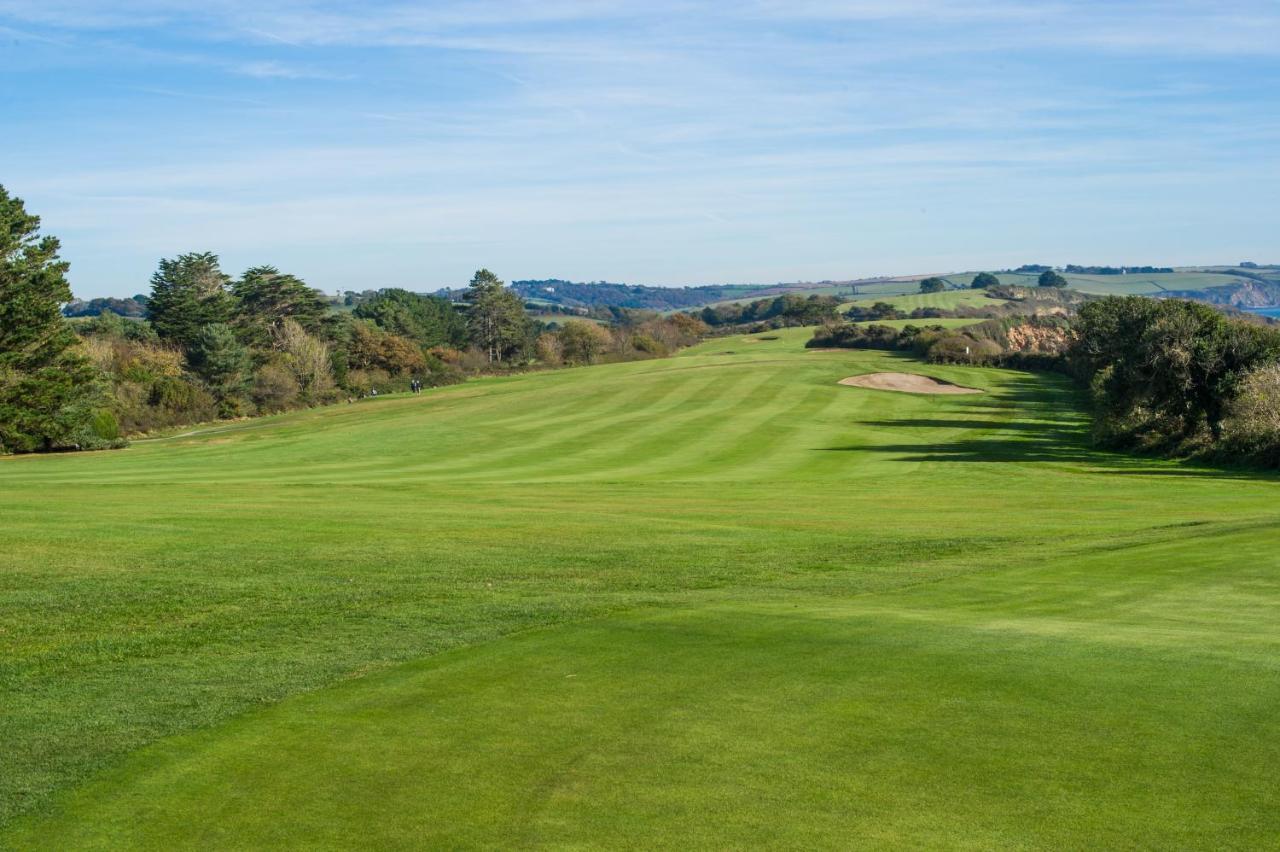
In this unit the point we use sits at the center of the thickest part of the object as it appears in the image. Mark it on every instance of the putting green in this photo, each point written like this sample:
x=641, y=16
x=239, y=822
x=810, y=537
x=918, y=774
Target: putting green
x=716, y=600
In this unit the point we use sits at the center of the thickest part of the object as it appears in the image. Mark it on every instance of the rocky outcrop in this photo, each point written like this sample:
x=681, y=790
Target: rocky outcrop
x=1245, y=294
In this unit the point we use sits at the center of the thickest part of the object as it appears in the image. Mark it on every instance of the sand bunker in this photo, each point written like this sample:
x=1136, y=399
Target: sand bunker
x=905, y=382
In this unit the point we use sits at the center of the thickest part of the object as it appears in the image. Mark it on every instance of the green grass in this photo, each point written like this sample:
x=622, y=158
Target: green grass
x=946, y=300
x=1137, y=284
x=715, y=600
x=1100, y=285
x=892, y=288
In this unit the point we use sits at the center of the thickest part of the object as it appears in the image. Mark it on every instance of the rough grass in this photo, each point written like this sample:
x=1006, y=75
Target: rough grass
x=716, y=600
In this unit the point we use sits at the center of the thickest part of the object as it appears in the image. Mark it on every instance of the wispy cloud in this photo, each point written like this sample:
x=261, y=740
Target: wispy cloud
x=268, y=69
x=662, y=141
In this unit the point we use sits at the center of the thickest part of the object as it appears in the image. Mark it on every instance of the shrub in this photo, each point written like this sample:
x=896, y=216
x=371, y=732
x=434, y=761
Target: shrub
x=371, y=348
x=851, y=336
x=307, y=358
x=274, y=387
x=364, y=381
x=105, y=426
x=582, y=341
x=956, y=348
x=548, y=350
x=1252, y=426
x=878, y=311
x=648, y=344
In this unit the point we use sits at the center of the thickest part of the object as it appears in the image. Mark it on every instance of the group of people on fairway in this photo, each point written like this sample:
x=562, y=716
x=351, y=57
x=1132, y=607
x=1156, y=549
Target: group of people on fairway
x=415, y=386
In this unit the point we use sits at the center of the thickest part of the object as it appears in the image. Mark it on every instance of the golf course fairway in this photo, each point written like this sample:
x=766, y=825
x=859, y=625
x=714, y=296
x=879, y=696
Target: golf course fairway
x=713, y=601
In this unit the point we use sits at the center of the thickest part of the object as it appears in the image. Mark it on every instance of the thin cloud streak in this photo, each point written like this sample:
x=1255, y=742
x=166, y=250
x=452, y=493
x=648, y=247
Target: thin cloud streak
x=660, y=142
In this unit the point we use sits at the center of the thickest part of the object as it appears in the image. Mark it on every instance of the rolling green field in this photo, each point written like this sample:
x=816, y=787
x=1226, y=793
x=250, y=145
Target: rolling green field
x=716, y=600
x=1137, y=284
x=946, y=300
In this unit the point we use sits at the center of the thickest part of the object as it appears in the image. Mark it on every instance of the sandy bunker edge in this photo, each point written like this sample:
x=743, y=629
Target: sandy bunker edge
x=906, y=383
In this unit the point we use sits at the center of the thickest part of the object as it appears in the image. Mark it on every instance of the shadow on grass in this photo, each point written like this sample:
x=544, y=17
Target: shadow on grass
x=1044, y=422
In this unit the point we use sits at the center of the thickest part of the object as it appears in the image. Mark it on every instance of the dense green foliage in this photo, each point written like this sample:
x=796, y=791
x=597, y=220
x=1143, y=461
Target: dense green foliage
x=783, y=311
x=222, y=361
x=1164, y=373
x=875, y=311
x=983, y=280
x=982, y=343
x=933, y=285
x=496, y=318
x=427, y=320
x=265, y=298
x=983, y=633
x=1049, y=278
x=187, y=293
x=49, y=391
x=266, y=342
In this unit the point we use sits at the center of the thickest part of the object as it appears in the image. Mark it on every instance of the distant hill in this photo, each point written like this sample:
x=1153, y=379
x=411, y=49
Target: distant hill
x=1243, y=285
x=604, y=293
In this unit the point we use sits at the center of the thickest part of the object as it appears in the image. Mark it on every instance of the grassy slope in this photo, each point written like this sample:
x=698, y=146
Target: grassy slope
x=908, y=620
x=1132, y=285
x=1101, y=285
x=947, y=300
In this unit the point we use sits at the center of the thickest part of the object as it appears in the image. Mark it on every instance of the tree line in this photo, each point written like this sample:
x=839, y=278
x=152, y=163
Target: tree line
x=215, y=346
x=783, y=311
x=134, y=306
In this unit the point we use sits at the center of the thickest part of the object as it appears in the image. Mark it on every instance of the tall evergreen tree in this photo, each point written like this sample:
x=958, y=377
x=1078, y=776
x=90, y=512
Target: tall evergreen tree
x=265, y=297
x=495, y=317
x=223, y=362
x=188, y=293
x=48, y=388
x=429, y=320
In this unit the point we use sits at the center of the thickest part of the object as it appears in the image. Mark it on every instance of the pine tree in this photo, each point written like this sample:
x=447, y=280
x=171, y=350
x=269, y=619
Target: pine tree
x=265, y=298
x=223, y=362
x=48, y=388
x=188, y=293
x=495, y=317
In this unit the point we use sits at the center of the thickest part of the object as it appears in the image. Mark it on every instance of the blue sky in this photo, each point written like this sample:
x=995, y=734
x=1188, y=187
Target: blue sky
x=376, y=144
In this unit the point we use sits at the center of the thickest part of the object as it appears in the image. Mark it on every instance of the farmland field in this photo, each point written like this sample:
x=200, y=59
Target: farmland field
x=1137, y=284
x=714, y=600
